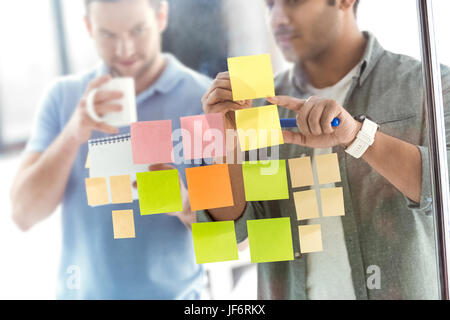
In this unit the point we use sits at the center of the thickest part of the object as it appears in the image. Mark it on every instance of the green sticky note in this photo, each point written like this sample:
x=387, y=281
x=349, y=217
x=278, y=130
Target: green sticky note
x=159, y=192
x=214, y=241
x=265, y=180
x=270, y=240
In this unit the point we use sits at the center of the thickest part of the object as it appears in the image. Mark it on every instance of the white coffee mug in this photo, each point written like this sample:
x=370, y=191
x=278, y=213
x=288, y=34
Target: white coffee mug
x=128, y=102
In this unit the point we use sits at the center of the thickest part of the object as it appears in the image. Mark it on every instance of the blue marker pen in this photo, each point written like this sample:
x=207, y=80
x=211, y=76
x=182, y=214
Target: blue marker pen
x=292, y=123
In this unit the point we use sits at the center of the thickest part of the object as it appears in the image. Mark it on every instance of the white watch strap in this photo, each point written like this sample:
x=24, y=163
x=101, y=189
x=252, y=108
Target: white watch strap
x=364, y=139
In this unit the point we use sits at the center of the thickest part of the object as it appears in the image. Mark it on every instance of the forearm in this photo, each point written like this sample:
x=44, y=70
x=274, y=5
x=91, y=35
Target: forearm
x=39, y=188
x=399, y=162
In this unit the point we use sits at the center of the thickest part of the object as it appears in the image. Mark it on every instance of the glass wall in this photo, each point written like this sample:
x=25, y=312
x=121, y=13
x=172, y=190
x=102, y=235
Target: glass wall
x=392, y=242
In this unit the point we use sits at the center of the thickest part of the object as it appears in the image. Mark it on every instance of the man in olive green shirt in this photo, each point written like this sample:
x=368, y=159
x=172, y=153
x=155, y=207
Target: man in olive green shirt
x=388, y=226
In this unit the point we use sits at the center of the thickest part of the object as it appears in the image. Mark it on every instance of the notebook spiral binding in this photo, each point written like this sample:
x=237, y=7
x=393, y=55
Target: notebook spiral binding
x=109, y=140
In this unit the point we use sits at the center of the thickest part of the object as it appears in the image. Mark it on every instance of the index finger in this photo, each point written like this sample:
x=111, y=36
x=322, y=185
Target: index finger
x=223, y=75
x=290, y=103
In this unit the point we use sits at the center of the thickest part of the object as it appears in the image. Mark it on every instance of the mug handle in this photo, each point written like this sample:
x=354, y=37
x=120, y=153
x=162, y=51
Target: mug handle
x=90, y=106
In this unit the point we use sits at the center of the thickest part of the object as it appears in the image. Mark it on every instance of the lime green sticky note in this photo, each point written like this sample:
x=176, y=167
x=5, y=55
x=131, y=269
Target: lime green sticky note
x=259, y=127
x=159, y=192
x=270, y=240
x=251, y=77
x=265, y=180
x=214, y=241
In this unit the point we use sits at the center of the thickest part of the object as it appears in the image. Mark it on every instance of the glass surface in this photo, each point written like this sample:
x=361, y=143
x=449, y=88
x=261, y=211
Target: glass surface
x=389, y=247
x=28, y=62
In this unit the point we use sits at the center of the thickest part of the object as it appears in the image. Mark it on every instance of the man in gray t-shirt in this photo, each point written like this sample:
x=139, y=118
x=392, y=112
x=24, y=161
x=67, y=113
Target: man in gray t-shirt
x=388, y=226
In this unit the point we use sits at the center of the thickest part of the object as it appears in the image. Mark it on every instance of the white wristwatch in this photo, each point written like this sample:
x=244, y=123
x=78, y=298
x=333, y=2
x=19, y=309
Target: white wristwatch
x=364, y=138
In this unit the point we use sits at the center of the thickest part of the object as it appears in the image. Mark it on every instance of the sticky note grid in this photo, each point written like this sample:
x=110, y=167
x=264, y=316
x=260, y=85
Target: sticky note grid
x=316, y=194
x=330, y=200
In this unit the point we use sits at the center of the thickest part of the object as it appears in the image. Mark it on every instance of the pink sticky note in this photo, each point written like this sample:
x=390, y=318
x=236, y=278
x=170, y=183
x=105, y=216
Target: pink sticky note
x=203, y=136
x=151, y=142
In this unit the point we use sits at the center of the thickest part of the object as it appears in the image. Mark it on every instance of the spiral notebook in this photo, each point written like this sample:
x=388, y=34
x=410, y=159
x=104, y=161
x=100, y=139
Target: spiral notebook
x=112, y=156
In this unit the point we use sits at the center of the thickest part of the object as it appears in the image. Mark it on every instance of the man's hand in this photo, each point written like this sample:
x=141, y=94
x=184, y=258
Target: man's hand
x=314, y=117
x=219, y=99
x=81, y=125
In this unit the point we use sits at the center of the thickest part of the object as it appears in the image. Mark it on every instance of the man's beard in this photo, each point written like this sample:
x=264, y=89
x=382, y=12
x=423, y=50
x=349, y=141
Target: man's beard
x=142, y=71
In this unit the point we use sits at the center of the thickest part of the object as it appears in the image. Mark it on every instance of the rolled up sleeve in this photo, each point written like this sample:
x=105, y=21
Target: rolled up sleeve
x=426, y=200
x=425, y=206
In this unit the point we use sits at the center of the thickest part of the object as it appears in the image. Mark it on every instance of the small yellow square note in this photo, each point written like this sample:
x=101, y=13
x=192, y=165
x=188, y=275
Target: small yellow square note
x=301, y=172
x=332, y=202
x=121, y=189
x=328, y=168
x=306, y=205
x=310, y=238
x=96, y=191
x=123, y=224
x=251, y=77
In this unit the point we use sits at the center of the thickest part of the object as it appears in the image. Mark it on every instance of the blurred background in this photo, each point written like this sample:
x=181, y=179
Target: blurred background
x=45, y=39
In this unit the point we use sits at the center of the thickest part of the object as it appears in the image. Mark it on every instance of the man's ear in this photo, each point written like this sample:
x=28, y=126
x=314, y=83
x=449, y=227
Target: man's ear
x=88, y=25
x=162, y=16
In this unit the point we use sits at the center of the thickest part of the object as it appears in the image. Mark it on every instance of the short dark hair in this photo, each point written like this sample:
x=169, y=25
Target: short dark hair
x=355, y=5
x=153, y=3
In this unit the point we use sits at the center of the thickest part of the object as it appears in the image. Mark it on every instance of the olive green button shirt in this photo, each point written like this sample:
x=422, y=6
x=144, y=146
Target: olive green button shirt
x=382, y=227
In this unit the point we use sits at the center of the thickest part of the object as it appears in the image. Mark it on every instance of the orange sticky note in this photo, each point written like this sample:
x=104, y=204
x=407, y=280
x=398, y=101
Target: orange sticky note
x=332, y=202
x=328, y=168
x=121, y=189
x=123, y=224
x=301, y=172
x=306, y=205
x=97, y=191
x=209, y=187
x=87, y=165
x=310, y=237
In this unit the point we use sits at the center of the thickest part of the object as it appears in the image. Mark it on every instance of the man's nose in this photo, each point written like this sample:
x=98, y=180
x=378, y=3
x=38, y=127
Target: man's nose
x=279, y=14
x=125, y=47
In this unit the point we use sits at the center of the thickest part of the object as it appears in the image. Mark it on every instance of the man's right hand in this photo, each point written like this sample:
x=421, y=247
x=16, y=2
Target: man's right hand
x=219, y=99
x=81, y=124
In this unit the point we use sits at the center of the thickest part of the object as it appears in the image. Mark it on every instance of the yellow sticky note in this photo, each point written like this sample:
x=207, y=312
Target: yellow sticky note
x=332, y=202
x=259, y=127
x=328, y=168
x=123, y=224
x=121, y=189
x=310, y=238
x=251, y=77
x=301, y=172
x=87, y=165
x=97, y=191
x=306, y=205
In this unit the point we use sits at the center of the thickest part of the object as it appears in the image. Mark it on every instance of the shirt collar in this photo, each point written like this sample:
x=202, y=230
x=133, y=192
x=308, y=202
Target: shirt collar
x=372, y=54
x=168, y=79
